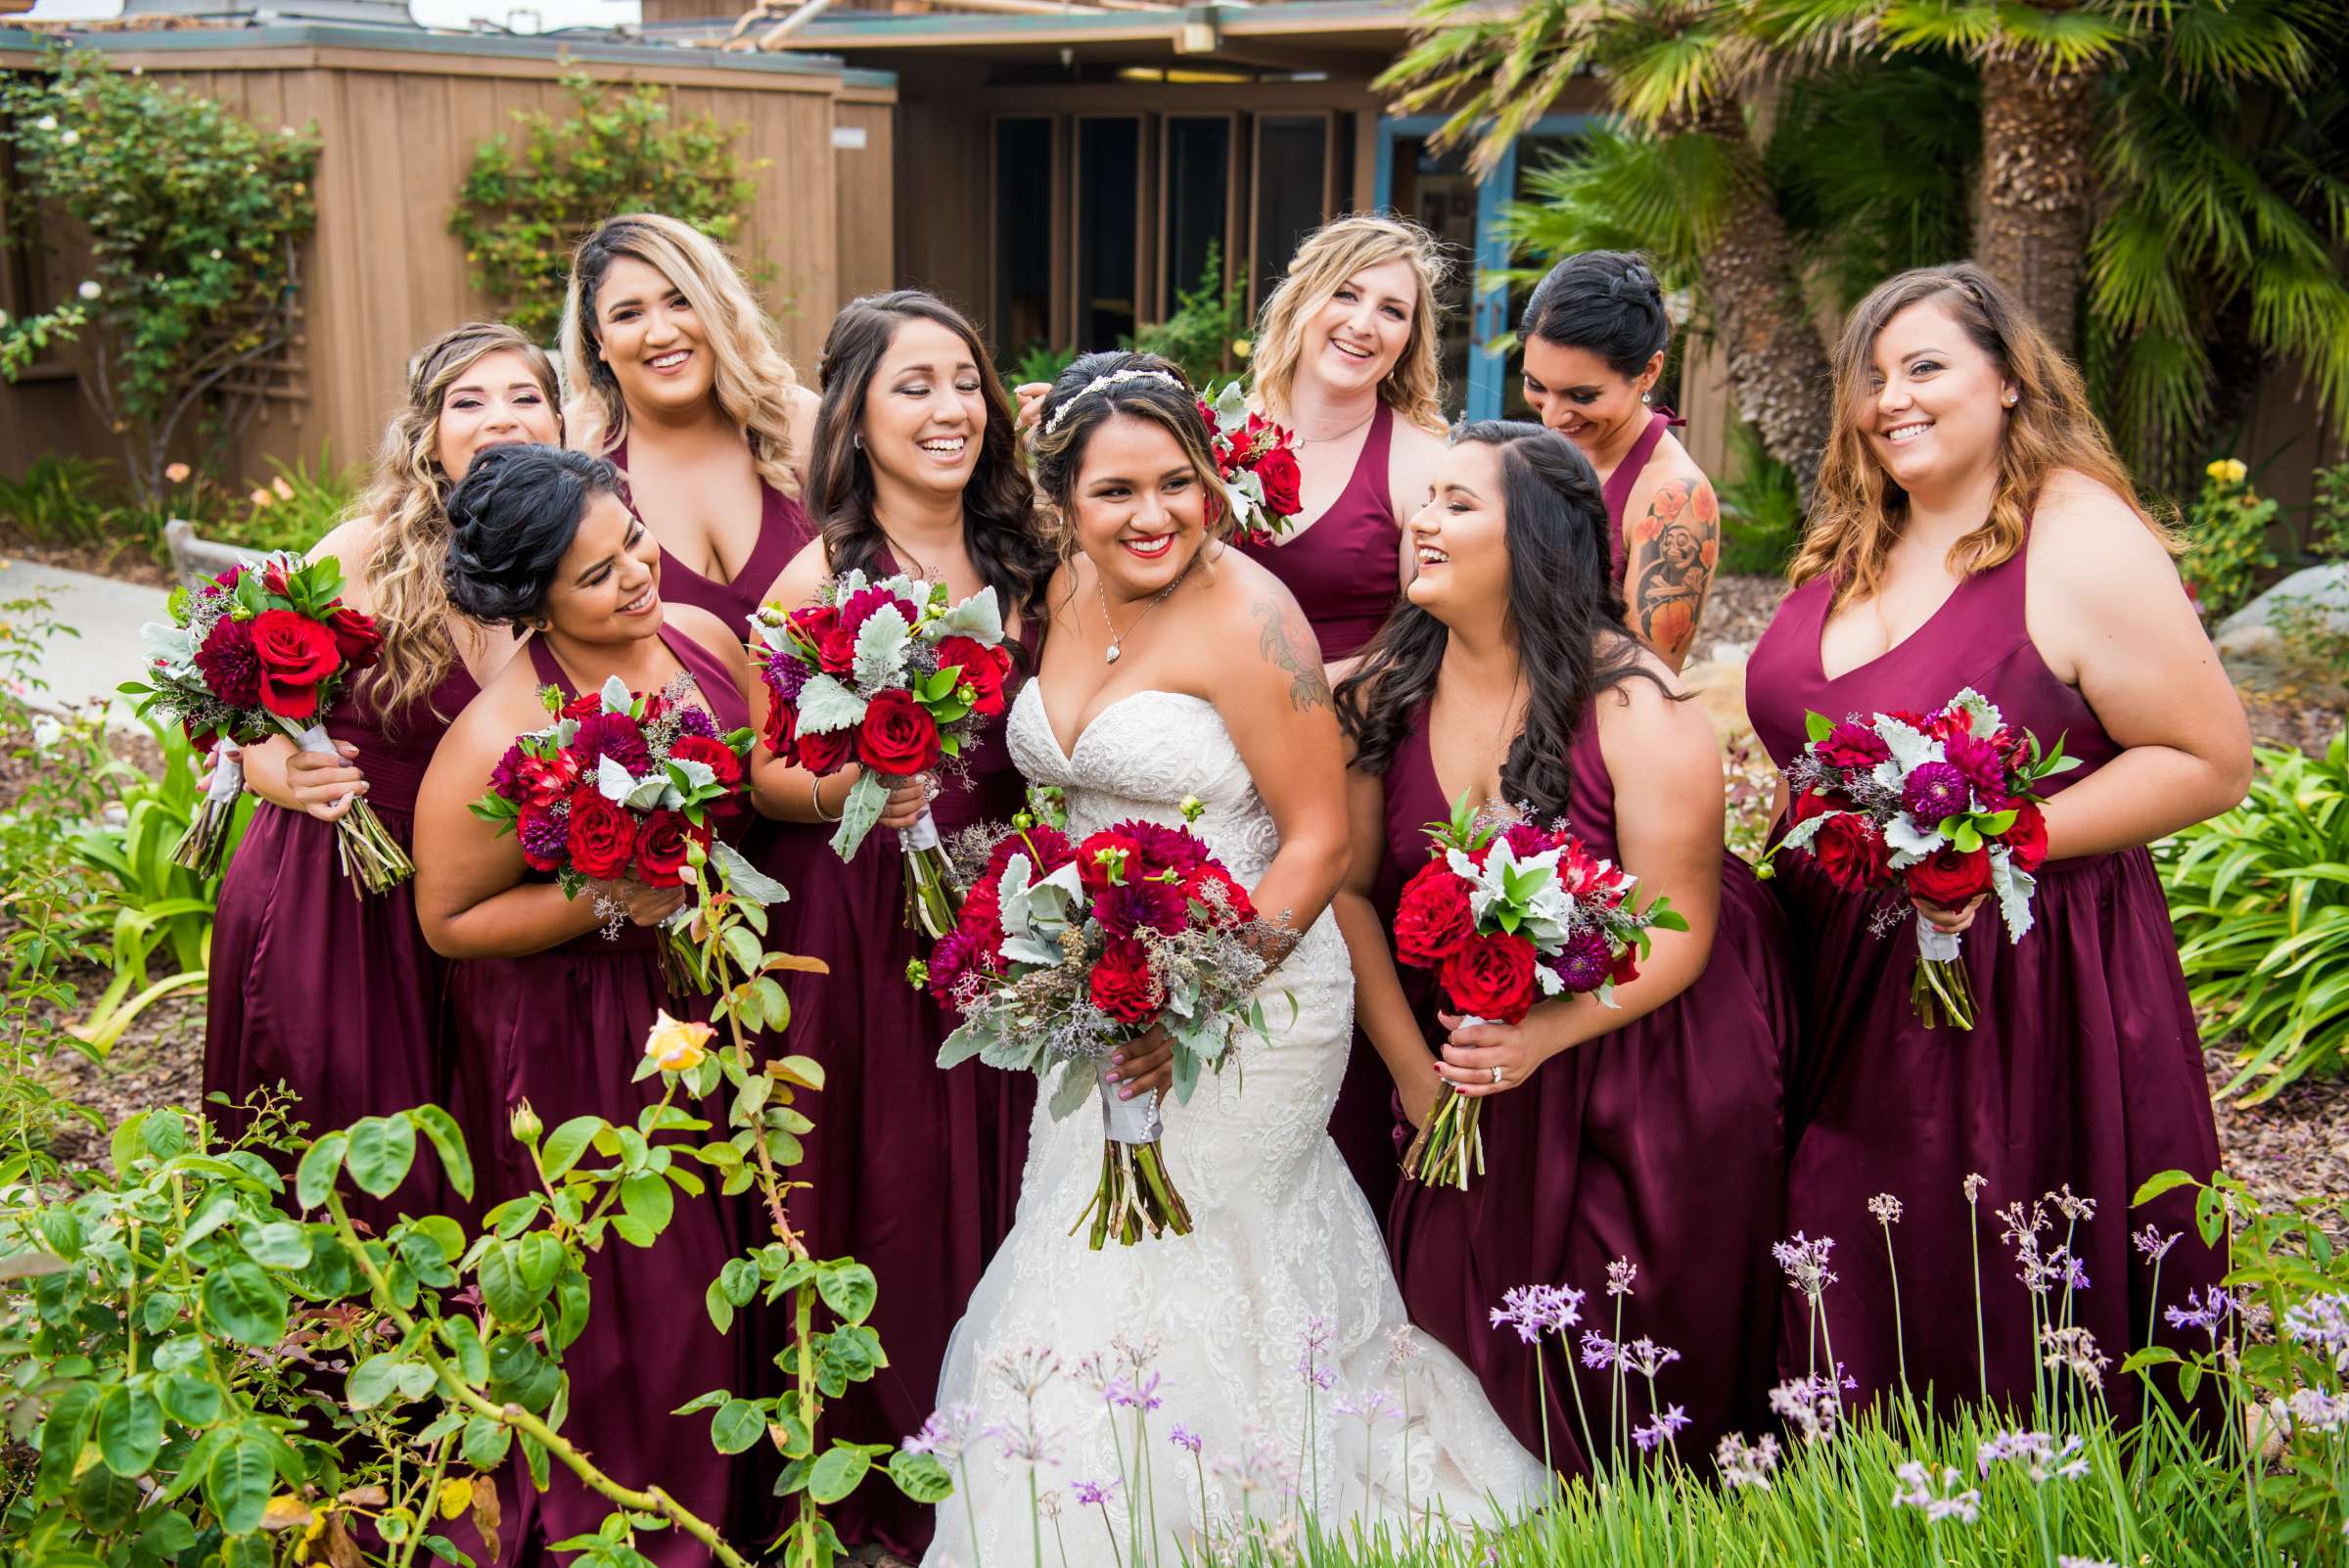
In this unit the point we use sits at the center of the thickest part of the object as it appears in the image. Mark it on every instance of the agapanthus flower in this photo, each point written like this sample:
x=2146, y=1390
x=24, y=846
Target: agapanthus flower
x=2319, y=1320
x=946, y=1433
x=1620, y=1274
x=1371, y=1405
x=2314, y=1410
x=1183, y=1438
x=1403, y=1346
x=1746, y=1465
x=2153, y=1244
x=2072, y=1347
x=2037, y=1453
x=1258, y=1467
x=1973, y=1185
x=1535, y=1309
x=2064, y=1561
x=1811, y=1406
x=2203, y=1310
x=1659, y=1430
x=1138, y=1393
x=2071, y=1205
x=1598, y=1352
x=1916, y=1487
x=1646, y=1357
x=1805, y=1263
x=1095, y=1493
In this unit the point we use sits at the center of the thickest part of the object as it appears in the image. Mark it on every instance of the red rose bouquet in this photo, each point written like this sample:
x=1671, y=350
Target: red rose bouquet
x=1507, y=918
x=264, y=650
x=1939, y=807
x=1065, y=951
x=619, y=786
x=1256, y=464
x=887, y=674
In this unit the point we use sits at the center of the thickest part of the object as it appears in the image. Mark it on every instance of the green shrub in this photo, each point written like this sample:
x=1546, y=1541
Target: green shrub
x=60, y=500
x=521, y=212
x=196, y=218
x=1761, y=509
x=1203, y=334
x=2329, y=518
x=294, y=511
x=1039, y=363
x=2228, y=559
x=2260, y=898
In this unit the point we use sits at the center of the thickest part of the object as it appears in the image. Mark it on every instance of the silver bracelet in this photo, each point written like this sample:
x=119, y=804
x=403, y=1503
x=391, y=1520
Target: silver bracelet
x=815, y=798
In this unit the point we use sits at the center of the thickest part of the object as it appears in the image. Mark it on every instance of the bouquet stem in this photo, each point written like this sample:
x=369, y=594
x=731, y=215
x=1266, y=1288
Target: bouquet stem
x=1450, y=1141
x=199, y=847
x=932, y=902
x=370, y=855
x=1136, y=1195
x=1939, y=989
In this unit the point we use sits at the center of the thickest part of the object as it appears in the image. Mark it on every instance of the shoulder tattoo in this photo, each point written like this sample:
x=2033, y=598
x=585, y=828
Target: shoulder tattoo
x=1674, y=551
x=1309, y=688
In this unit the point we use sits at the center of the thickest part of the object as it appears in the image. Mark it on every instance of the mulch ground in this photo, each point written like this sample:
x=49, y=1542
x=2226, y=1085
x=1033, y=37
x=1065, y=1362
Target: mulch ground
x=123, y=561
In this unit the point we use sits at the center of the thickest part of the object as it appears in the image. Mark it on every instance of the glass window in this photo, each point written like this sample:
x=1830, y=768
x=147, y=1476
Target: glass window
x=1292, y=163
x=1535, y=152
x=1436, y=191
x=1023, y=236
x=1198, y=202
x=1108, y=223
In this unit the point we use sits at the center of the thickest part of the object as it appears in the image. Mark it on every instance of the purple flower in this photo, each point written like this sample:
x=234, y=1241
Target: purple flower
x=1095, y=1493
x=1620, y=1274
x=1598, y=1351
x=1140, y=1393
x=2203, y=1311
x=1183, y=1438
x=1746, y=1465
x=613, y=735
x=505, y=779
x=1805, y=1263
x=1982, y=768
x=1581, y=965
x=946, y=1433
x=547, y=838
x=786, y=678
x=2319, y=1320
x=1934, y=790
x=1647, y=1357
x=2153, y=1244
x=1662, y=1429
x=691, y=720
x=1535, y=1309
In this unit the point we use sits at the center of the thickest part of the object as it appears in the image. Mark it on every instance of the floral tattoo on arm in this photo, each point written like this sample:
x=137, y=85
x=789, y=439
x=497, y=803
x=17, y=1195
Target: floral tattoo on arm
x=1309, y=688
x=1673, y=550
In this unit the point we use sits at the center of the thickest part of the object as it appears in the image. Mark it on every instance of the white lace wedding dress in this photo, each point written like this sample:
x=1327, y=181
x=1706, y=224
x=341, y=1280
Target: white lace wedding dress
x=1283, y=1247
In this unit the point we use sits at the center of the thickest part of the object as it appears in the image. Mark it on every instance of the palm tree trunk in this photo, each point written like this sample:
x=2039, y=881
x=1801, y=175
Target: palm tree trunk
x=2039, y=134
x=1777, y=369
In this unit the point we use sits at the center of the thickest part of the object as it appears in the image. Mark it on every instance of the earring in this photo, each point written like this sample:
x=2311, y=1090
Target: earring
x=1647, y=396
x=2010, y=399
x=858, y=440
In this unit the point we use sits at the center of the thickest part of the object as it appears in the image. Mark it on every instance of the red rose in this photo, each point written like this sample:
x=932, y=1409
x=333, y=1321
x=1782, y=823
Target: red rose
x=1852, y=853
x=1235, y=898
x=2028, y=838
x=782, y=731
x=355, y=636
x=824, y=754
x=1950, y=876
x=603, y=836
x=661, y=848
x=1432, y=921
x=983, y=670
x=708, y=749
x=1099, y=855
x=227, y=664
x=1123, y=985
x=1278, y=473
x=1491, y=977
x=584, y=707
x=896, y=738
x=1625, y=967
x=295, y=653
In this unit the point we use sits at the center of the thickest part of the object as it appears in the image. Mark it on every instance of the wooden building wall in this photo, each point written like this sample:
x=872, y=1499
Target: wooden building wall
x=384, y=275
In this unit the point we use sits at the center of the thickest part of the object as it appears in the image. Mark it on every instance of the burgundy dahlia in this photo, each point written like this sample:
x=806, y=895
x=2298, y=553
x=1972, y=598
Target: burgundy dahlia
x=230, y=667
x=1581, y=964
x=613, y=735
x=691, y=720
x=1935, y=789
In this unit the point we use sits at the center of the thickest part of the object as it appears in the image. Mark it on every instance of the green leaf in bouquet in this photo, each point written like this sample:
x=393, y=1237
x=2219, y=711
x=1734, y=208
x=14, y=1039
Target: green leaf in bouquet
x=614, y=782
x=1818, y=726
x=937, y=686
x=950, y=745
x=1230, y=405
x=2014, y=887
x=618, y=699
x=1188, y=1063
x=966, y=1042
x=497, y=809
x=1994, y=823
x=645, y=793
x=1011, y=1053
x=827, y=704
x=880, y=646
x=979, y=618
x=1075, y=1087
x=689, y=774
x=858, y=811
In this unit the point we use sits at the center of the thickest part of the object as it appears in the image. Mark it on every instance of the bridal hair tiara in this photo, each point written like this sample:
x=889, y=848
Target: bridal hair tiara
x=1097, y=384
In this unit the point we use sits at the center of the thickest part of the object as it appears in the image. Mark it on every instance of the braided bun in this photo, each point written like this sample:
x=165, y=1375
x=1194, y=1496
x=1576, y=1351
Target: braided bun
x=1605, y=303
x=510, y=523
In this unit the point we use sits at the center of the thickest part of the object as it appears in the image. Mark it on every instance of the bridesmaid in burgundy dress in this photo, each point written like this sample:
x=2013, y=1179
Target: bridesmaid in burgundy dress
x=1654, y=1136
x=1595, y=334
x=1346, y=358
x=315, y=985
x=913, y=1171
x=543, y=1007
x=680, y=383
x=1974, y=529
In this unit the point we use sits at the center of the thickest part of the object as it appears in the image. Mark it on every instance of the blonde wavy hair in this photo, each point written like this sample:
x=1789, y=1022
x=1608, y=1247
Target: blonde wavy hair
x=408, y=505
x=1325, y=260
x=754, y=381
x=1859, y=510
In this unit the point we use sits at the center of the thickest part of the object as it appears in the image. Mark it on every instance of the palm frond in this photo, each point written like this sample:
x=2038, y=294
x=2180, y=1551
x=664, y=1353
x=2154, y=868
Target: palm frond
x=1820, y=32
x=2246, y=40
x=1622, y=189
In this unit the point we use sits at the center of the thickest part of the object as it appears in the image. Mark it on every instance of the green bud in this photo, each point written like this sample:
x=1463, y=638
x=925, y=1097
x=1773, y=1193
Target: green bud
x=526, y=1124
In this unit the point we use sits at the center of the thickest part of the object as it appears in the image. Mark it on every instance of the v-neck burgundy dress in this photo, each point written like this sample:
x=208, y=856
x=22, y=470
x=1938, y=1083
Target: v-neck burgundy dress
x=1343, y=567
x=564, y=1028
x=325, y=988
x=1659, y=1142
x=2084, y=1067
x=783, y=528
x=914, y=1171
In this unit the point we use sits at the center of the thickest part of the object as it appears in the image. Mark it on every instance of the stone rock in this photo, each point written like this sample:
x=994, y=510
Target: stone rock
x=2321, y=590
x=1719, y=688
x=2258, y=643
x=194, y=559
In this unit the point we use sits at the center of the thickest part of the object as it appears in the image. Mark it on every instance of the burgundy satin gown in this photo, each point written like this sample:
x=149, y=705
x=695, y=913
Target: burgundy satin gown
x=914, y=1171
x=564, y=1028
x=1343, y=572
x=783, y=528
x=2084, y=1065
x=1659, y=1142
x=321, y=987
x=1617, y=491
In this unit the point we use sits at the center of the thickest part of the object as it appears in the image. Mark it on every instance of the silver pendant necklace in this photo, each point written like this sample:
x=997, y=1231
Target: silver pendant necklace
x=1117, y=638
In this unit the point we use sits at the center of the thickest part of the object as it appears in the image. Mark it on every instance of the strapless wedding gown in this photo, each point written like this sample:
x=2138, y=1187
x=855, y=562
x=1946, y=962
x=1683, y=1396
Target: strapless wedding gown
x=1284, y=1251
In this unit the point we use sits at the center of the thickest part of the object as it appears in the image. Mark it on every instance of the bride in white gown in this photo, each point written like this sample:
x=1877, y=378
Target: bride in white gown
x=1273, y=1336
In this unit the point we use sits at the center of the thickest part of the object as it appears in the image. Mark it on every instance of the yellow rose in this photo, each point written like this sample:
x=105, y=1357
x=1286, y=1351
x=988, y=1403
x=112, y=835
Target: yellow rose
x=676, y=1045
x=2227, y=471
